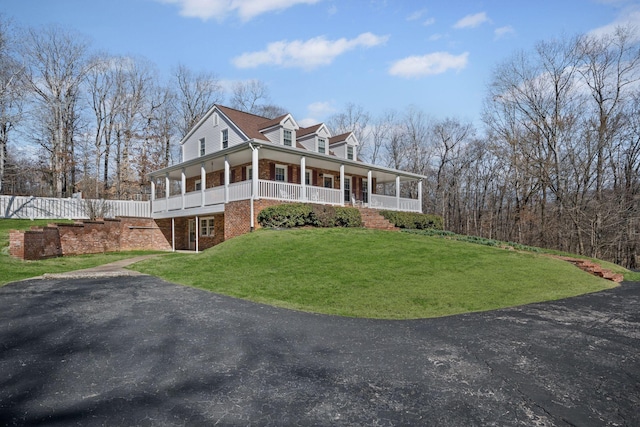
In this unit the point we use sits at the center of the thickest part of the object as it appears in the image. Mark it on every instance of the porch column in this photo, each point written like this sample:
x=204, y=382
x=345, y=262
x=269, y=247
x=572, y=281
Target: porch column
x=369, y=187
x=254, y=173
x=341, y=185
x=183, y=185
x=173, y=234
x=303, y=183
x=166, y=191
x=398, y=192
x=226, y=179
x=203, y=182
x=153, y=193
x=197, y=230
x=420, y=195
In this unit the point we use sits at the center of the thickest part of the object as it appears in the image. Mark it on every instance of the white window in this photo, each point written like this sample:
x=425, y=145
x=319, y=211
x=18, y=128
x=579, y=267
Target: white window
x=249, y=172
x=202, y=147
x=207, y=227
x=287, y=138
x=321, y=145
x=308, y=177
x=349, y=152
x=198, y=185
x=327, y=181
x=281, y=173
x=225, y=138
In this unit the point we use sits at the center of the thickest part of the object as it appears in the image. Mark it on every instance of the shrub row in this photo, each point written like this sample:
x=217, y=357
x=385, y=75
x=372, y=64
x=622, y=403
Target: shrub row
x=412, y=220
x=290, y=215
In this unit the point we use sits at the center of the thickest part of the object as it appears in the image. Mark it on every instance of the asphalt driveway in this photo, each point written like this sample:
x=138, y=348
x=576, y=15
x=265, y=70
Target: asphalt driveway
x=140, y=351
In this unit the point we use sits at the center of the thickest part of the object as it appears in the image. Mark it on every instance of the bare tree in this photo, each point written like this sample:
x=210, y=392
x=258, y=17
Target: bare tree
x=354, y=119
x=56, y=64
x=196, y=93
x=11, y=92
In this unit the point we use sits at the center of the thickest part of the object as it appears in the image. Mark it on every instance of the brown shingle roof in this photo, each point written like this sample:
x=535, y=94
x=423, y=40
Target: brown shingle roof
x=306, y=131
x=273, y=122
x=249, y=124
x=339, y=138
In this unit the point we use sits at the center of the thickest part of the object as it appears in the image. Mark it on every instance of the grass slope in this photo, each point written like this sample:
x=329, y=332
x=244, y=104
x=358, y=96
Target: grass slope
x=12, y=269
x=373, y=274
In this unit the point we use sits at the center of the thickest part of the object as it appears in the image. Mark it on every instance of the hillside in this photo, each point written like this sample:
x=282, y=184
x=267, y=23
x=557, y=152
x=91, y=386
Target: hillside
x=373, y=274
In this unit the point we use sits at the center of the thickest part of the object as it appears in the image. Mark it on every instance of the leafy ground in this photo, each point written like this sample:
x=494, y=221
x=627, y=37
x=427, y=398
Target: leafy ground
x=12, y=269
x=374, y=274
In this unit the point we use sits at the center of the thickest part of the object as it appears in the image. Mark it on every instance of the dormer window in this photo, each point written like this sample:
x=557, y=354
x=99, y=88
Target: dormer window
x=287, y=140
x=322, y=145
x=349, y=152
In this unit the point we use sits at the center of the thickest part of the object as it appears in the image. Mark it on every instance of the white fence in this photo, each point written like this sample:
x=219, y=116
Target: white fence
x=51, y=208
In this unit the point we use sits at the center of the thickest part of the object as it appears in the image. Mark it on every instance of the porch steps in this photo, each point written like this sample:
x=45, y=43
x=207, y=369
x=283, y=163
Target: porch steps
x=371, y=218
x=593, y=268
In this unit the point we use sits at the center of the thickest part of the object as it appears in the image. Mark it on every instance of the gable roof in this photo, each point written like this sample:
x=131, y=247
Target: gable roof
x=339, y=138
x=307, y=131
x=249, y=124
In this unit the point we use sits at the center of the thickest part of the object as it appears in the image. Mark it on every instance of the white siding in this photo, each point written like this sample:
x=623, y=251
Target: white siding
x=308, y=142
x=212, y=135
x=339, y=150
x=274, y=135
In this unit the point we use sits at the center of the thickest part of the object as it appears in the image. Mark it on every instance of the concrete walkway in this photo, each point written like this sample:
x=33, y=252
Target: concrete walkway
x=113, y=269
x=137, y=350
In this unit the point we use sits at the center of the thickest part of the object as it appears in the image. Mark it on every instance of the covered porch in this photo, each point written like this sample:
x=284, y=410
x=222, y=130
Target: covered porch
x=252, y=171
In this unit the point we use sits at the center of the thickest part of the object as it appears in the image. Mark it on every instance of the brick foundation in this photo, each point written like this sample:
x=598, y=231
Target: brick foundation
x=87, y=237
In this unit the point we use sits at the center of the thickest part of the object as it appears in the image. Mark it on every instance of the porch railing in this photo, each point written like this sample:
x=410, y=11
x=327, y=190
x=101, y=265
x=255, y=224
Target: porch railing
x=29, y=207
x=379, y=201
x=277, y=190
x=239, y=191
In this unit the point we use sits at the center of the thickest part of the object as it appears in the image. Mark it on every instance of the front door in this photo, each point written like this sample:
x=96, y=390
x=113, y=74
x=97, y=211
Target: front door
x=192, y=234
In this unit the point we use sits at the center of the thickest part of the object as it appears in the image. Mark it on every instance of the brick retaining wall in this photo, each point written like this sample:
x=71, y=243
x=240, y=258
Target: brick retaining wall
x=87, y=237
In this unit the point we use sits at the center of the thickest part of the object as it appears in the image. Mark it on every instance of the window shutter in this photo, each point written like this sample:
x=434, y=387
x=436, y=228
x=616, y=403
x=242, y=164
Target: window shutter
x=314, y=178
x=272, y=171
x=233, y=176
x=222, y=178
x=373, y=185
x=360, y=188
x=290, y=173
x=244, y=173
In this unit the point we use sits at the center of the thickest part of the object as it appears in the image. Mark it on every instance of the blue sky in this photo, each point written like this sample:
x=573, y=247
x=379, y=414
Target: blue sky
x=318, y=55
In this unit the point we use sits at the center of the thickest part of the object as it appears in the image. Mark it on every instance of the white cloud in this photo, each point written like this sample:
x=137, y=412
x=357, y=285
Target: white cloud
x=472, y=21
x=428, y=65
x=416, y=15
x=435, y=37
x=429, y=21
x=308, y=54
x=503, y=31
x=219, y=9
x=629, y=17
x=320, y=108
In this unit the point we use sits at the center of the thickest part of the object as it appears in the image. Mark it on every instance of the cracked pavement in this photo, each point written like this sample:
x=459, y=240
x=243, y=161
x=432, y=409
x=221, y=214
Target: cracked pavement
x=141, y=351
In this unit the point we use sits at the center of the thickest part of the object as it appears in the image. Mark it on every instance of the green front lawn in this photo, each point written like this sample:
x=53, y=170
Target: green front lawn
x=373, y=274
x=12, y=269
